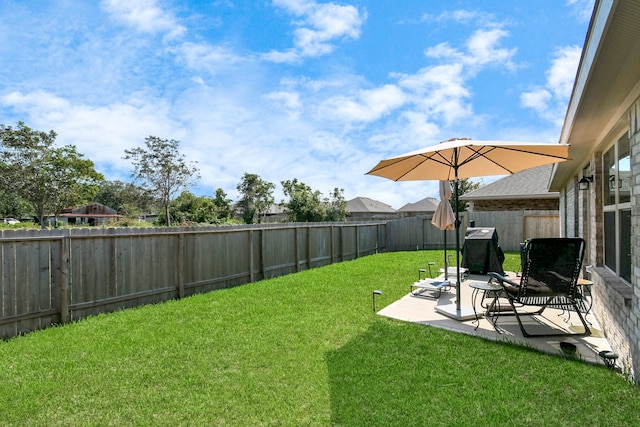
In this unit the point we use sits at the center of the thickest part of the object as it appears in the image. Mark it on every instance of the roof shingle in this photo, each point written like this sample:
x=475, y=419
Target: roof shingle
x=528, y=184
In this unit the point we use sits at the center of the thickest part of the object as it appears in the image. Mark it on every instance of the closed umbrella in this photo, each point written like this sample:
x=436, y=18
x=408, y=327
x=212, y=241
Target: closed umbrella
x=443, y=217
x=466, y=158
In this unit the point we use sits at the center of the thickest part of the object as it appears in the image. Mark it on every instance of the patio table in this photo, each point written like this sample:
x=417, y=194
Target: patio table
x=491, y=292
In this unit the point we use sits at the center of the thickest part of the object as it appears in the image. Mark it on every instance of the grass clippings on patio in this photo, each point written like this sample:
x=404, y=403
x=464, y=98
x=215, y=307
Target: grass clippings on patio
x=304, y=349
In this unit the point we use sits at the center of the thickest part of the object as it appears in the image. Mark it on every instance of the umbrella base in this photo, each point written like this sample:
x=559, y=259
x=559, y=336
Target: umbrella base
x=450, y=310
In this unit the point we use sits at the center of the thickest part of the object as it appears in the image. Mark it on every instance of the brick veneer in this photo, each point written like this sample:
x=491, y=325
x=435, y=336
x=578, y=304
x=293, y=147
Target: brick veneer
x=616, y=303
x=515, y=205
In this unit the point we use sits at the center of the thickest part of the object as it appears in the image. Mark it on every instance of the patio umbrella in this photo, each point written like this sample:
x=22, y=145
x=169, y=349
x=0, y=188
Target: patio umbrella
x=466, y=158
x=444, y=219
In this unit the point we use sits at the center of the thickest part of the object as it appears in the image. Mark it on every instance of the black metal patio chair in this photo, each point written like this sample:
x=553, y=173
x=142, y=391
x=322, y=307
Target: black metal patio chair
x=550, y=271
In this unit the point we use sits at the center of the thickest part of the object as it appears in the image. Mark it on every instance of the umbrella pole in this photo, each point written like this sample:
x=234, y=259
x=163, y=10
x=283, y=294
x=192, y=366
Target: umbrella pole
x=446, y=267
x=456, y=311
x=457, y=246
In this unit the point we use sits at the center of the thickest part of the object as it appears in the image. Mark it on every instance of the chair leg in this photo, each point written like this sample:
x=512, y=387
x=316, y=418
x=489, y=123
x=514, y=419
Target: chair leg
x=587, y=331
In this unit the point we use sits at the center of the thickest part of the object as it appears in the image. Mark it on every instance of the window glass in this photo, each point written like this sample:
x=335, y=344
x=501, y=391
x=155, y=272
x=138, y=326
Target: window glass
x=609, y=169
x=624, y=171
x=610, y=240
x=616, y=169
x=625, y=244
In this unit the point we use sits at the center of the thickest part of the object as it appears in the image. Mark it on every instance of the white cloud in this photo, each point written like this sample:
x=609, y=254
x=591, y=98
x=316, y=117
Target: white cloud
x=100, y=133
x=145, y=15
x=460, y=16
x=290, y=100
x=366, y=106
x=319, y=25
x=562, y=74
x=287, y=101
x=279, y=57
x=537, y=99
x=419, y=126
x=482, y=49
x=581, y=8
x=202, y=56
x=439, y=91
x=39, y=103
x=550, y=101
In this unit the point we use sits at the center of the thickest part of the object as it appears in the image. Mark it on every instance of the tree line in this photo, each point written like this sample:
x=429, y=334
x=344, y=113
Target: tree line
x=39, y=180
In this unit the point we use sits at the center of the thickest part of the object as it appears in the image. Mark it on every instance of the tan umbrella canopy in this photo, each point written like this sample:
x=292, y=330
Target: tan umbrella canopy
x=466, y=158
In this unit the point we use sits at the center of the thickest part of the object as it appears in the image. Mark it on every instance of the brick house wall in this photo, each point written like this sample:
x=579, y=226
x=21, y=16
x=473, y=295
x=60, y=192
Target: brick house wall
x=616, y=303
x=514, y=205
x=634, y=329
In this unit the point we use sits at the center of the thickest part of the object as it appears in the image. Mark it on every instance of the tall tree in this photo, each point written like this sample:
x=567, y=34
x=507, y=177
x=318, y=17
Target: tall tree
x=304, y=205
x=188, y=208
x=162, y=169
x=49, y=178
x=465, y=186
x=336, y=206
x=223, y=204
x=256, y=197
x=14, y=206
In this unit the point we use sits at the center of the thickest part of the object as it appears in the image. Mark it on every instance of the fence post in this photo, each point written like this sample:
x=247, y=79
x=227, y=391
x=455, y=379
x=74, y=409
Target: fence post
x=331, y=236
x=295, y=248
x=308, y=247
x=251, y=254
x=63, y=290
x=263, y=269
x=181, y=255
x=342, y=243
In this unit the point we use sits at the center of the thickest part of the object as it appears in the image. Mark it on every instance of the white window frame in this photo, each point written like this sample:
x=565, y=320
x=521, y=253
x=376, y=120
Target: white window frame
x=617, y=206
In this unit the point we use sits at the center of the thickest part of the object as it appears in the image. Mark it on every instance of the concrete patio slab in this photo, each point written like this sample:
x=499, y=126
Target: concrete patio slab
x=420, y=309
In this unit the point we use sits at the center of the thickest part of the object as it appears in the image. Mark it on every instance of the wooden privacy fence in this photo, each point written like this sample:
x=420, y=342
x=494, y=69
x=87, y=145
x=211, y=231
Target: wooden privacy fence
x=416, y=233
x=514, y=227
x=55, y=276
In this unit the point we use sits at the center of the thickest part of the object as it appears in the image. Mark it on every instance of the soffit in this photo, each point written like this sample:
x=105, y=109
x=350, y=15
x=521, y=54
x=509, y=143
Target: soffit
x=611, y=78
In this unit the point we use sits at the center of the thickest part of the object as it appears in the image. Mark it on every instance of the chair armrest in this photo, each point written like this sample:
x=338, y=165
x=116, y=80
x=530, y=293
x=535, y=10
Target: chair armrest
x=563, y=278
x=502, y=279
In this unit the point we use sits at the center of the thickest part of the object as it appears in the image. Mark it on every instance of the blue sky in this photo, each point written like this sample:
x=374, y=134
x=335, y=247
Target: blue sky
x=314, y=90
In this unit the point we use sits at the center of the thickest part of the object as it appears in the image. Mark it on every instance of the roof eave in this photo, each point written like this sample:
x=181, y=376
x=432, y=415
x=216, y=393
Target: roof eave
x=605, y=86
x=550, y=195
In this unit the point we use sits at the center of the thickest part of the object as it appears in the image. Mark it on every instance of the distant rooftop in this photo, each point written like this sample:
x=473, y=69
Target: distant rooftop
x=528, y=184
x=428, y=204
x=365, y=204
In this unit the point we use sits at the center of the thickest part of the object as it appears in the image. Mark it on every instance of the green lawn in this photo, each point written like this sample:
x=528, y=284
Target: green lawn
x=304, y=349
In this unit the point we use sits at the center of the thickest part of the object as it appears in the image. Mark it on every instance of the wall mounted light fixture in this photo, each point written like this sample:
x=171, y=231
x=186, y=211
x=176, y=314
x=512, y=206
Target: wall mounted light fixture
x=584, y=182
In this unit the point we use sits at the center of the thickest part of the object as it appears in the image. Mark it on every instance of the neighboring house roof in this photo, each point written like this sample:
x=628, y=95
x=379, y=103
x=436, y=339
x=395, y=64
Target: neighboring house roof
x=92, y=208
x=528, y=184
x=275, y=209
x=606, y=83
x=428, y=204
x=365, y=204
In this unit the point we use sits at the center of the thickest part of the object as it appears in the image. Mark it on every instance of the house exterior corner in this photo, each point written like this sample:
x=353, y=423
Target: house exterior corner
x=600, y=185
